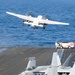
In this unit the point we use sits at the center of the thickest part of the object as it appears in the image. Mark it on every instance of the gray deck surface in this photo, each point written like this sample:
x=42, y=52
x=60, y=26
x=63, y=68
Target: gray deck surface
x=14, y=60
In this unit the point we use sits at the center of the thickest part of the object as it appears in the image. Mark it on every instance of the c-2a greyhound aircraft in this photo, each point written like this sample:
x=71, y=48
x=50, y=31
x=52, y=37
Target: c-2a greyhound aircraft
x=54, y=69
x=36, y=22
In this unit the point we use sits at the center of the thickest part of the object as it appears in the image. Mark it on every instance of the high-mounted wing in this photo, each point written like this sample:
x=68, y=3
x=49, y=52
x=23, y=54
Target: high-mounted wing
x=43, y=21
x=29, y=18
x=52, y=22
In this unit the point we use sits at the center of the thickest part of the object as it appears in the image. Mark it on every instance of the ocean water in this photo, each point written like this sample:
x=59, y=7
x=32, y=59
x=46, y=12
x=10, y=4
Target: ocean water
x=13, y=33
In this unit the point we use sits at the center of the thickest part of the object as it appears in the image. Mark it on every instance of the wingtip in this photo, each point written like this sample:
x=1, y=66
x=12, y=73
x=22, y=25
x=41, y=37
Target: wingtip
x=68, y=24
x=10, y=13
x=7, y=12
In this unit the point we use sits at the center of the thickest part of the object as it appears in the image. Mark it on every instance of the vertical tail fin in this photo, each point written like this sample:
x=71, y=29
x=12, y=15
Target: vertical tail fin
x=31, y=63
x=69, y=61
x=55, y=60
x=72, y=72
x=52, y=70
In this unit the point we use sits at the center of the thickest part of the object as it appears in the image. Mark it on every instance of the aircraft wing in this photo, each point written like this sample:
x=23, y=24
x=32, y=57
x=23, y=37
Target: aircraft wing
x=29, y=18
x=52, y=22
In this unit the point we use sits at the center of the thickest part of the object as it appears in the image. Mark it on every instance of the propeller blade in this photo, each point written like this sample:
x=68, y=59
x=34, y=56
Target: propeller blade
x=29, y=14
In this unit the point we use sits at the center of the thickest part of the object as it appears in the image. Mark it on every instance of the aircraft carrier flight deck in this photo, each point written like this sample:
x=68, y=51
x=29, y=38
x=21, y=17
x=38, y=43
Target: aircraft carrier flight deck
x=14, y=60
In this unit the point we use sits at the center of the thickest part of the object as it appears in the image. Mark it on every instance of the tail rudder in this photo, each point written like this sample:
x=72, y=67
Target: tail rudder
x=52, y=70
x=55, y=60
x=72, y=72
x=31, y=63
